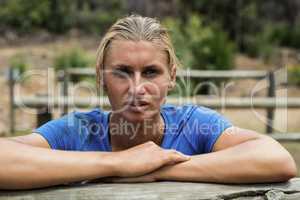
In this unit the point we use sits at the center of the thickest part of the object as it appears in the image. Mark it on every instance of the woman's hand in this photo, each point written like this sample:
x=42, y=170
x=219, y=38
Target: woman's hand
x=145, y=158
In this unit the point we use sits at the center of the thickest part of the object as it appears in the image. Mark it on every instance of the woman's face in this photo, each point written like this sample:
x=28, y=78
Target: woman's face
x=136, y=78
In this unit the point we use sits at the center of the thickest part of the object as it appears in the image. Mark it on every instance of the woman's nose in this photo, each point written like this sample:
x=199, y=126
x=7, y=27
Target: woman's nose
x=138, y=85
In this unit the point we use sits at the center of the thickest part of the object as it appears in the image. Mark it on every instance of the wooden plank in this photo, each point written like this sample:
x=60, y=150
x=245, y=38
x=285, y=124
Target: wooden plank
x=163, y=190
x=236, y=74
x=11, y=83
x=81, y=102
x=281, y=76
x=286, y=137
x=256, y=74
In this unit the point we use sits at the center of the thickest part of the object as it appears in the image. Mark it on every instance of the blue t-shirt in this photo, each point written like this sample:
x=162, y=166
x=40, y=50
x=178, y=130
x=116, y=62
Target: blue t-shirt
x=189, y=129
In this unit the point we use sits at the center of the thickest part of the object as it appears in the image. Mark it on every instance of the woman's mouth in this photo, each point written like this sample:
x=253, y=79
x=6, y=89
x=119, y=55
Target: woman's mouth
x=138, y=106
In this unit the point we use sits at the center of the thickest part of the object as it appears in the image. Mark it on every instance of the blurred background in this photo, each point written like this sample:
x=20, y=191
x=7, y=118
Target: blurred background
x=39, y=35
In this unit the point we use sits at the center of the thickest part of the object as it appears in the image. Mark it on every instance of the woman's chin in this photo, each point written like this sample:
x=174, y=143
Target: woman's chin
x=136, y=117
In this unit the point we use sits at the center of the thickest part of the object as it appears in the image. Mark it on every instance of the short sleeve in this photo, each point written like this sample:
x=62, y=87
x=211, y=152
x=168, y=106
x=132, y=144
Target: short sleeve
x=58, y=133
x=210, y=126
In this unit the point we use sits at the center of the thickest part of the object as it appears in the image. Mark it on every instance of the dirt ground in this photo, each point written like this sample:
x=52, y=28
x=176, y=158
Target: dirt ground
x=39, y=54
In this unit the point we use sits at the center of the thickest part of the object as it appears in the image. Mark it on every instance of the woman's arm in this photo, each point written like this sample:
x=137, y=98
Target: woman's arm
x=259, y=159
x=25, y=166
x=240, y=156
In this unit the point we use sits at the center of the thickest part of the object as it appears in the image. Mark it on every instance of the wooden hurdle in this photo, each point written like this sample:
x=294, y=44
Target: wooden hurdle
x=42, y=103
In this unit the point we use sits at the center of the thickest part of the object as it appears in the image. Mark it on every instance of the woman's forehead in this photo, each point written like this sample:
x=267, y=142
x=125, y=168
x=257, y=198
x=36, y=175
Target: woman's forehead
x=136, y=51
x=132, y=45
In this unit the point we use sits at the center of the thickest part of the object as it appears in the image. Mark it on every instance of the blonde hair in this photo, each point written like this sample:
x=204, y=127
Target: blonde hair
x=136, y=28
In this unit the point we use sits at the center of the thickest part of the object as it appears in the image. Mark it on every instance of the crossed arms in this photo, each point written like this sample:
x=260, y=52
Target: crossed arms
x=239, y=156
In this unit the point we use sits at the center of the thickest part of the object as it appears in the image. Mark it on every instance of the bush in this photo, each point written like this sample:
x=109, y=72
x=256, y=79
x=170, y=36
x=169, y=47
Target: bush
x=199, y=46
x=18, y=62
x=58, y=16
x=95, y=22
x=272, y=36
x=74, y=58
x=287, y=36
x=263, y=44
x=294, y=75
x=179, y=40
x=24, y=15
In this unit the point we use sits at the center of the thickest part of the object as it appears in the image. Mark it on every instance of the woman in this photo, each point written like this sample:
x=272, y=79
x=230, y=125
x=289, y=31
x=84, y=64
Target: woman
x=141, y=140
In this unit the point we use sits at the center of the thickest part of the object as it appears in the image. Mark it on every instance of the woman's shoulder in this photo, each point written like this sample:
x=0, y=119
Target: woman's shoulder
x=94, y=116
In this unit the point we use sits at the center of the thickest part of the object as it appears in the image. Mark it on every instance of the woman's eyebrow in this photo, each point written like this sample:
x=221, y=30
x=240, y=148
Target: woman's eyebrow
x=150, y=66
x=122, y=66
x=125, y=66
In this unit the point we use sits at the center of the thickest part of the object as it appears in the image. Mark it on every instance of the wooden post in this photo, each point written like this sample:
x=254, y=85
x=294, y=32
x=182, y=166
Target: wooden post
x=44, y=113
x=270, y=111
x=43, y=116
x=63, y=78
x=66, y=91
x=11, y=83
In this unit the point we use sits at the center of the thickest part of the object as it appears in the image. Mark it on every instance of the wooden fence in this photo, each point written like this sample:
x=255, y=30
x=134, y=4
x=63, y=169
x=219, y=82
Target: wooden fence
x=64, y=102
x=205, y=74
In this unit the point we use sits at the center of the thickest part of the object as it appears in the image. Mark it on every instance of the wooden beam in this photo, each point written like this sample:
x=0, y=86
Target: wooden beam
x=256, y=74
x=162, y=190
x=259, y=102
x=286, y=137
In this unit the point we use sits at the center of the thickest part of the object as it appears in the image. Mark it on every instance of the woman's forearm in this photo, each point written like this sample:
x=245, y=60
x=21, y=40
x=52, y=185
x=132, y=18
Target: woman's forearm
x=23, y=166
x=260, y=160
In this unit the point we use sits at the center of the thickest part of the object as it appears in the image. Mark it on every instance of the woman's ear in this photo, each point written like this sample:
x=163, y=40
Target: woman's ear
x=171, y=85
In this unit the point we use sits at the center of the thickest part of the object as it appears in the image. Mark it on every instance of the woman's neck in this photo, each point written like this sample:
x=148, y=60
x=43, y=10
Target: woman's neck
x=125, y=134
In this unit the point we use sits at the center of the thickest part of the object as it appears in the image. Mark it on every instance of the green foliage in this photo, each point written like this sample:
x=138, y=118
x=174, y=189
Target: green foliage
x=294, y=75
x=23, y=15
x=179, y=40
x=73, y=58
x=18, y=62
x=98, y=20
x=263, y=44
x=286, y=35
x=58, y=16
x=61, y=15
x=257, y=27
x=199, y=46
x=95, y=22
x=294, y=38
x=210, y=46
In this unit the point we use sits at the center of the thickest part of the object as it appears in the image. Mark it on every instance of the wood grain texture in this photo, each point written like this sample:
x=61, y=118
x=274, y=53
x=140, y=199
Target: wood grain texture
x=162, y=190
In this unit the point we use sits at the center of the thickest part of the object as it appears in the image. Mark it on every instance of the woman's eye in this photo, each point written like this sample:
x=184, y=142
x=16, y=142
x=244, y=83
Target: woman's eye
x=123, y=73
x=150, y=72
